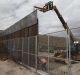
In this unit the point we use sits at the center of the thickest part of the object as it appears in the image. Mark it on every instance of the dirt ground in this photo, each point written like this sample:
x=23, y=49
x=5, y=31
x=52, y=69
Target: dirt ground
x=60, y=68
x=9, y=67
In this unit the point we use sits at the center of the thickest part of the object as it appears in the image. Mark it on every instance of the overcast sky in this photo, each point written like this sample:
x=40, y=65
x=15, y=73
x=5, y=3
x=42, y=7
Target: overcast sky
x=13, y=10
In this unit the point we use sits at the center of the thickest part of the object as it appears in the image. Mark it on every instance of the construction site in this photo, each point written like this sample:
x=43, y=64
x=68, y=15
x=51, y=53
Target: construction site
x=30, y=48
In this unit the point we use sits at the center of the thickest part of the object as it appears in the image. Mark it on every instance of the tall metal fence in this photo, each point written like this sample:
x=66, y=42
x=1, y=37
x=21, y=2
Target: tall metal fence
x=22, y=49
x=62, y=54
x=53, y=48
x=62, y=58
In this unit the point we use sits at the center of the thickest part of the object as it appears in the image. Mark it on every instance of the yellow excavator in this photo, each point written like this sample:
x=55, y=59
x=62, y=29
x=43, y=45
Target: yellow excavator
x=75, y=47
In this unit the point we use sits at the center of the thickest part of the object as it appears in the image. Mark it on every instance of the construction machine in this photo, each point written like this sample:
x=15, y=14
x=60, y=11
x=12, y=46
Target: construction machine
x=75, y=47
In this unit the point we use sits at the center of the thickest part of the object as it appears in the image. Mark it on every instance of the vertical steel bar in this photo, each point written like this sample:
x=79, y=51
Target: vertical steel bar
x=13, y=45
x=28, y=51
x=22, y=43
x=17, y=47
x=48, y=54
x=36, y=51
x=68, y=52
x=22, y=48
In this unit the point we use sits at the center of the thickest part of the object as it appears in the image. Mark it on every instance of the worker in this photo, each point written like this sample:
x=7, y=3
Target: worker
x=43, y=63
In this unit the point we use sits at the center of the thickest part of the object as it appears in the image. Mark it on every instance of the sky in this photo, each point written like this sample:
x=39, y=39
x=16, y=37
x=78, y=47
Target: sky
x=12, y=11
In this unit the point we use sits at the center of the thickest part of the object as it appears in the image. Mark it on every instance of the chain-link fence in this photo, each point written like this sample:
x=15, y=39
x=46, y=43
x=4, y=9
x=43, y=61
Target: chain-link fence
x=53, y=54
x=56, y=53
x=53, y=48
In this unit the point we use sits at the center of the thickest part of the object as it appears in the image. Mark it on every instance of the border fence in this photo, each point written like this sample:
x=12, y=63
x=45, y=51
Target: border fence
x=28, y=48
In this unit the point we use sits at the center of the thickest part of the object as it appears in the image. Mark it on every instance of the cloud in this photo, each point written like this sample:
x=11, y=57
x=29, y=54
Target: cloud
x=8, y=13
x=13, y=10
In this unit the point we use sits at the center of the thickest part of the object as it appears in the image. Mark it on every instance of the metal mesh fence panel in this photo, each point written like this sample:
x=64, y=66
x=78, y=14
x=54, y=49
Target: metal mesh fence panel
x=31, y=45
x=15, y=46
x=19, y=44
x=25, y=58
x=32, y=60
x=25, y=44
x=19, y=56
x=53, y=51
